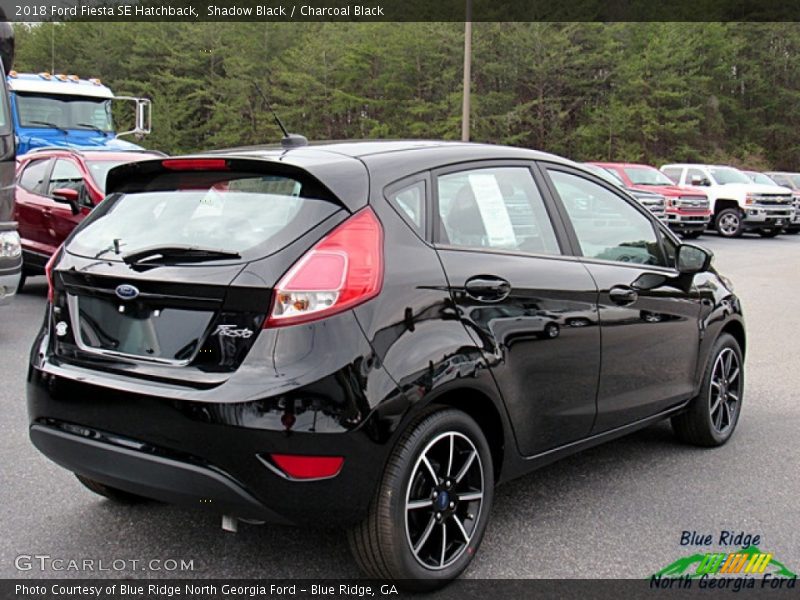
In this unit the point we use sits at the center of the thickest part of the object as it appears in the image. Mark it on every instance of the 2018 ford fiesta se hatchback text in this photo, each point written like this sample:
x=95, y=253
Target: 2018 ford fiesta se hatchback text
x=371, y=335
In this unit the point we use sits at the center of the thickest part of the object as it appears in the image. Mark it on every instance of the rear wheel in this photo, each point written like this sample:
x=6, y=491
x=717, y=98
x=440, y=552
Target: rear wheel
x=109, y=492
x=711, y=417
x=428, y=518
x=769, y=233
x=729, y=223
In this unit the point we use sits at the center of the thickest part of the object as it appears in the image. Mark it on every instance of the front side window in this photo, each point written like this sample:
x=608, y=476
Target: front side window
x=65, y=112
x=66, y=175
x=32, y=177
x=695, y=176
x=499, y=208
x=606, y=225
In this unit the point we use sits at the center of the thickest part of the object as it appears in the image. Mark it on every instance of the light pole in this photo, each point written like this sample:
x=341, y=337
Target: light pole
x=465, y=107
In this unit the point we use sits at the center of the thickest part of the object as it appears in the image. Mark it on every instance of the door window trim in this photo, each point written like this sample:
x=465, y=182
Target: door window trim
x=407, y=182
x=436, y=220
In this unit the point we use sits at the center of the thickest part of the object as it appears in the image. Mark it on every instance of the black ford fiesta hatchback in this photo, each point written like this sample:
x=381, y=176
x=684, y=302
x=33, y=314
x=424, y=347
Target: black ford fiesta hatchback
x=371, y=335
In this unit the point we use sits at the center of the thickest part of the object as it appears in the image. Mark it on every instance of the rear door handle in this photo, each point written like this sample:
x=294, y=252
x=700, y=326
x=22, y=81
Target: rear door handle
x=622, y=295
x=487, y=288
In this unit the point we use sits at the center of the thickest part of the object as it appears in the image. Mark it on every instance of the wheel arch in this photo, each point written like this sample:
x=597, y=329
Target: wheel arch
x=483, y=410
x=722, y=203
x=735, y=329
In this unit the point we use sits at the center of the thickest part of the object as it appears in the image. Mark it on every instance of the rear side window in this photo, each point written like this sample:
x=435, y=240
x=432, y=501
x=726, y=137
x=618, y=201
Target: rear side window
x=251, y=215
x=409, y=201
x=499, y=208
x=32, y=177
x=674, y=173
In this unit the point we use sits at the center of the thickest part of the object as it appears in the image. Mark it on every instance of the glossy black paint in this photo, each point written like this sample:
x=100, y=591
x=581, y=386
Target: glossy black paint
x=571, y=352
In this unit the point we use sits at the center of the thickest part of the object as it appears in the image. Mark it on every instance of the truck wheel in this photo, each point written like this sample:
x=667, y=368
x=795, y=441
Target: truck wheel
x=791, y=231
x=430, y=512
x=22, y=277
x=769, y=233
x=120, y=496
x=712, y=415
x=692, y=234
x=729, y=223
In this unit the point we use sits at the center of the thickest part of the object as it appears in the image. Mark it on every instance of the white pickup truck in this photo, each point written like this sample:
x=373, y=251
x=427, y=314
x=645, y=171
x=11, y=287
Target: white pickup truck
x=738, y=204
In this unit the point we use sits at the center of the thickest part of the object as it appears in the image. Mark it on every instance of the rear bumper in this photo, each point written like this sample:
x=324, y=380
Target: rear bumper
x=149, y=475
x=205, y=449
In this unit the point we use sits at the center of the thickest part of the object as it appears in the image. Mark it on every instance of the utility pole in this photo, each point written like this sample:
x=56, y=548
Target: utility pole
x=465, y=108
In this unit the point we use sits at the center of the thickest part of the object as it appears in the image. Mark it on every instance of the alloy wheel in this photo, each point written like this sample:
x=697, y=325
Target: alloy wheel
x=725, y=390
x=729, y=224
x=443, y=500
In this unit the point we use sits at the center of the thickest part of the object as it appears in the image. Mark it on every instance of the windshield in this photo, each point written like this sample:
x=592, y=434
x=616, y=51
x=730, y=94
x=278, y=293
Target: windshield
x=647, y=176
x=761, y=178
x=609, y=176
x=249, y=216
x=726, y=175
x=795, y=179
x=64, y=112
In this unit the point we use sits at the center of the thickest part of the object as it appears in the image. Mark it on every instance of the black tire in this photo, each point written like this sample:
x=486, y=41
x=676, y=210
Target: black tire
x=382, y=543
x=770, y=233
x=701, y=424
x=791, y=231
x=692, y=234
x=109, y=492
x=22, y=277
x=728, y=223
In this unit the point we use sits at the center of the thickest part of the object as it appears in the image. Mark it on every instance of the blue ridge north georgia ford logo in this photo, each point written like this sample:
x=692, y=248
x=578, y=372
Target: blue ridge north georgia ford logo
x=126, y=291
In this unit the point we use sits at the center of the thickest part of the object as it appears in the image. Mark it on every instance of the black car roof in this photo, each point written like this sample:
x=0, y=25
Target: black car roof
x=349, y=168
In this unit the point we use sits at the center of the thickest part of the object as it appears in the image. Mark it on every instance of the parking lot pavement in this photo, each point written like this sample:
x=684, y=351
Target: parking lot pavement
x=614, y=511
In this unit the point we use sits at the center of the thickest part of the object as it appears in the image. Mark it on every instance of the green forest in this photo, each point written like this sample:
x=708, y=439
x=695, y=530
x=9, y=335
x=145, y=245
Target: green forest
x=645, y=92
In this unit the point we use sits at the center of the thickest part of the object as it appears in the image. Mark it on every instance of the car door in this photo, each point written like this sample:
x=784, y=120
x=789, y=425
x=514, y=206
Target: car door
x=66, y=174
x=532, y=309
x=30, y=206
x=649, y=318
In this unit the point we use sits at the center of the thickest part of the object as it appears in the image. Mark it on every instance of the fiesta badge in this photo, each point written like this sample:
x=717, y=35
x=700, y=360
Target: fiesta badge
x=126, y=291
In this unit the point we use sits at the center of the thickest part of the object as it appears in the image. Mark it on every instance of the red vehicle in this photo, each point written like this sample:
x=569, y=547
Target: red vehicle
x=688, y=210
x=55, y=189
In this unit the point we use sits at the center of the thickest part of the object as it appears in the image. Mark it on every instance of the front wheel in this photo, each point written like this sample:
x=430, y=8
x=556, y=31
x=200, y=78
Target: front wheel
x=430, y=512
x=729, y=223
x=711, y=417
x=692, y=234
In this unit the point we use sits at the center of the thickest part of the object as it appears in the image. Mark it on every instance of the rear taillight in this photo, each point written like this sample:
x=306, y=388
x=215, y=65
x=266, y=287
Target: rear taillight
x=195, y=164
x=342, y=270
x=48, y=272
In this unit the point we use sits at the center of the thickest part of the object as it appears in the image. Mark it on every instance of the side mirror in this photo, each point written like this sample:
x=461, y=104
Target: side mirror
x=68, y=196
x=693, y=259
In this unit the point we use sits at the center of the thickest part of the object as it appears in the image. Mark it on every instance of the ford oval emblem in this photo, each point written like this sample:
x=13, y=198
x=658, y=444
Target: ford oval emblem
x=126, y=291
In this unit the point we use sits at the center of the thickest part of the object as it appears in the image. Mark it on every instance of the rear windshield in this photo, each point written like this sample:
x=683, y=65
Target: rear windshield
x=252, y=216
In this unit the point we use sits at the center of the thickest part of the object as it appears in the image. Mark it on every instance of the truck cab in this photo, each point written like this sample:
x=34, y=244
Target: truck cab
x=738, y=203
x=65, y=110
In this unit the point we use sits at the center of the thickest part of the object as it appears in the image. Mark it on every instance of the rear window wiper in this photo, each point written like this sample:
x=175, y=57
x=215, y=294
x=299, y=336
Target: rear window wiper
x=180, y=253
